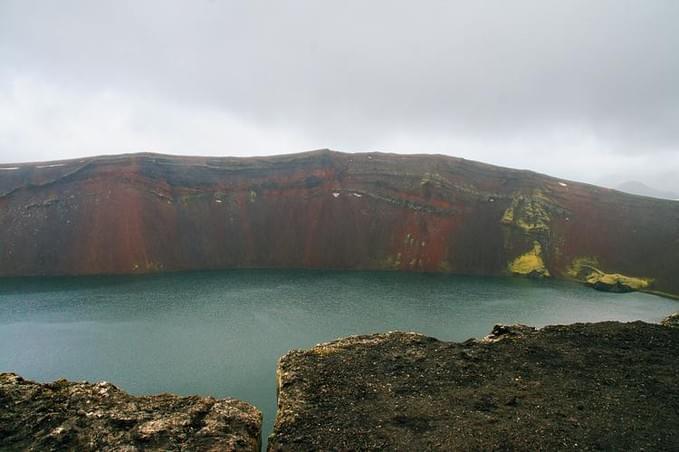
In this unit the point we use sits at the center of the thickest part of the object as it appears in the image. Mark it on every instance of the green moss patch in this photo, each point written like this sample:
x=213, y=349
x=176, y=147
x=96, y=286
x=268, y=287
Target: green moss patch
x=530, y=213
x=530, y=264
x=586, y=269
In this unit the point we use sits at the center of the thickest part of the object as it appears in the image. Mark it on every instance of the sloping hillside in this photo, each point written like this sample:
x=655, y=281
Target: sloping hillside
x=323, y=209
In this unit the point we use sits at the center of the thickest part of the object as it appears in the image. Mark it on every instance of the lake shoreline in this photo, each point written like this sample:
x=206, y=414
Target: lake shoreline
x=220, y=333
x=415, y=386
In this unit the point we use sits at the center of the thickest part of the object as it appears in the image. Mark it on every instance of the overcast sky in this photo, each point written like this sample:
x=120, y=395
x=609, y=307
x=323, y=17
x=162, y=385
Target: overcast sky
x=586, y=90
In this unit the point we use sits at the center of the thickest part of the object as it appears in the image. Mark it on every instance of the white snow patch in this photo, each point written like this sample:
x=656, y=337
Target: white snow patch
x=54, y=165
x=12, y=168
x=335, y=194
x=358, y=195
x=218, y=200
x=563, y=184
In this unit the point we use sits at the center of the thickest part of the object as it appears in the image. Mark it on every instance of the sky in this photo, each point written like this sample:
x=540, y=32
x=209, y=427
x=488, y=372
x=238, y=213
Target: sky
x=580, y=89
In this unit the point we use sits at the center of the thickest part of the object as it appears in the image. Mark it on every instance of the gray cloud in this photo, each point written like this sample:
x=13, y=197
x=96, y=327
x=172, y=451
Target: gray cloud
x=581, y=89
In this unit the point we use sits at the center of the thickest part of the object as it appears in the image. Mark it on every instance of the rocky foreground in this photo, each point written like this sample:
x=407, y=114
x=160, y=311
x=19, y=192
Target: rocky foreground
x=604, y=386
x=87, y=417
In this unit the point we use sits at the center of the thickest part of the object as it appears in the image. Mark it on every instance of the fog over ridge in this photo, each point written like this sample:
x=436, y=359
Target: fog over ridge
x=581, y=90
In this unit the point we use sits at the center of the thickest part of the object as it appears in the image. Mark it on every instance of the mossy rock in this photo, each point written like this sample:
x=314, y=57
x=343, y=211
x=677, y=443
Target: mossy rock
x=586, y=269
x=615, y=282
x=582, y=267
x=530, y=264
x=529, y=213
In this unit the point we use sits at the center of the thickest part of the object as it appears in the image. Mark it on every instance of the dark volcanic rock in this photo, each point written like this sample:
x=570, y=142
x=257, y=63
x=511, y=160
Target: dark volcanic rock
x=604, y=386
x=148, y=212
x=87, y=417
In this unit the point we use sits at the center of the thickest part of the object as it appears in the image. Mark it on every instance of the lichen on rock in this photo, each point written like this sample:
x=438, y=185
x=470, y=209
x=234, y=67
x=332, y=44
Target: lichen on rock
x=582, y=267
x=586, y=269
x=529, y=212
x=445, y=267
x=530, y=264
x=615, y=282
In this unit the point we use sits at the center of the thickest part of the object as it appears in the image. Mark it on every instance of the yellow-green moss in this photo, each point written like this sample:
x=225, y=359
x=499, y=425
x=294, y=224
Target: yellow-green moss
x=508, y=217
x=618, y=280
x=530, y=264
x=445, y=267
x=582, y=267
x=586, y=269
x=529, y=212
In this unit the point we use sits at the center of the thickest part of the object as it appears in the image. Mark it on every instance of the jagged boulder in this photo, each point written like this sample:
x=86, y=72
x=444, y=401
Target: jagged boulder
x=501, y=332
x=86, y=417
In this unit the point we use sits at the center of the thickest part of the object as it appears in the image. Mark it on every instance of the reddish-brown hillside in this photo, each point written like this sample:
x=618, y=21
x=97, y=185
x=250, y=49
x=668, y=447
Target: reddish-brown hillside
x=324, y=209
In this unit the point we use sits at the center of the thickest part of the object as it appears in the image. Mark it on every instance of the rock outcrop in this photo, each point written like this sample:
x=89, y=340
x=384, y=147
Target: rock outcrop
x=616, y=282
x=146, y=213
x=604, y=386
x=530, y=264
x=100, y=417
x=585, y=269
x=671, y=320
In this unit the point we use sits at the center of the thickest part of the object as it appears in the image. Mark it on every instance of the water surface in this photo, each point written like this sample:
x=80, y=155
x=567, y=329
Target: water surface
x=220, y=333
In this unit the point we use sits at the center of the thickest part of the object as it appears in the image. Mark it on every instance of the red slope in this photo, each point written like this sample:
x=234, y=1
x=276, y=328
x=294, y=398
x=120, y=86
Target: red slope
x=322, y=209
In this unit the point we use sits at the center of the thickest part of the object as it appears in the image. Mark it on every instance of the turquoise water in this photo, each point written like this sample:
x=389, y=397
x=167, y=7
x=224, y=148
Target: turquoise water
x=220, y=333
